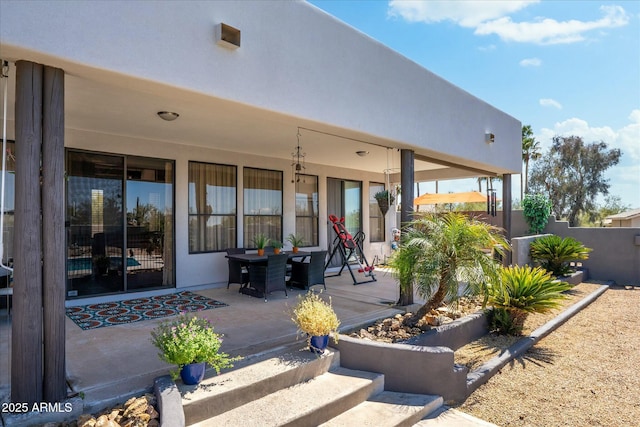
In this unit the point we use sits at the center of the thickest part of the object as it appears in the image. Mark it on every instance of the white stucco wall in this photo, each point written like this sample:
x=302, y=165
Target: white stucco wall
x=211, y=268
x=294, y=59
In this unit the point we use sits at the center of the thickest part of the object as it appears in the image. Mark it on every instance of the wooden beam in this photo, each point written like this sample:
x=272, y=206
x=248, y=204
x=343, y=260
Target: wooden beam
x=53, y=235
x=26, y=336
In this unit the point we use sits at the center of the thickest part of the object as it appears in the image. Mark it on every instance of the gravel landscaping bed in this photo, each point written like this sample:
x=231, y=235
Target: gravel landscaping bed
x=582, y=374
x=482, y=350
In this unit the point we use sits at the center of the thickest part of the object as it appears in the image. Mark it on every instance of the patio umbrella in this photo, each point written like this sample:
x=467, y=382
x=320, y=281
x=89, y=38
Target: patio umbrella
x=466, y=197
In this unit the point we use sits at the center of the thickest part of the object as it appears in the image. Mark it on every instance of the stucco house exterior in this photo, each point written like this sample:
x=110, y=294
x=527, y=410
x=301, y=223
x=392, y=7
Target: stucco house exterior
x=283, y=116
x=623, y=219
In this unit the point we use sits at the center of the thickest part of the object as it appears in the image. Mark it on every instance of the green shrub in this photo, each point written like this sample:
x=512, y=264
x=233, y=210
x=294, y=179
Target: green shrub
x=554, y=253
x=184, y=340
x=536, y=210
x=523, y=290
x=501, y=323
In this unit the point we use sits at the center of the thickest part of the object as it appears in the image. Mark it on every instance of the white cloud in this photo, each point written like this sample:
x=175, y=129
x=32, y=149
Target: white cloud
x=465, y=13
x=626, y=139
x=492, y=17
x=549, y=31
x=531, y=62
x=487, y=48
x=548, y=102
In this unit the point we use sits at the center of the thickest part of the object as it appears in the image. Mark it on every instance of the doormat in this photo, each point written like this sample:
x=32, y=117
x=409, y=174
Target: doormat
x=95, y=316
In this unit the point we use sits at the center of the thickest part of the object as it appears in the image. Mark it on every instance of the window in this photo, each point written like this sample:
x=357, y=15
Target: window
x=212, y=207
x=262, y=205
x=307, y=209
x=376, y=218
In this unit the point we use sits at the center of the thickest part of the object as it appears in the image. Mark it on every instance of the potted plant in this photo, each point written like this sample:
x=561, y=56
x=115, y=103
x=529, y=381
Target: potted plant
x=261, y=241
x=277, y=246
x=190, y=343
x=296, y=241
x=384, y=199
x=315, y=318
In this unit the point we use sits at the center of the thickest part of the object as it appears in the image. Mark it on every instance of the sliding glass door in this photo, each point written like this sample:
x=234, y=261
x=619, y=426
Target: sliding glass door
x=344, y=199
x=105, y=193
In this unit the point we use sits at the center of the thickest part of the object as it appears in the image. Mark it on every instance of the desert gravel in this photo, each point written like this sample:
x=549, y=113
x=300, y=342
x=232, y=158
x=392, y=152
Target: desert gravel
x=585, y=373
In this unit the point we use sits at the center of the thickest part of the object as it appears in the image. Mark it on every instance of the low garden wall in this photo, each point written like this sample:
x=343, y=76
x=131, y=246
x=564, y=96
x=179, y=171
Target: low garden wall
x=424, y=364
x=407, y=368
x=455, y=334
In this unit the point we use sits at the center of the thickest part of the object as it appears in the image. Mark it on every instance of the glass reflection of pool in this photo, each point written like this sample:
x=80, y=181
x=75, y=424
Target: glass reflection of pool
x=80, y=264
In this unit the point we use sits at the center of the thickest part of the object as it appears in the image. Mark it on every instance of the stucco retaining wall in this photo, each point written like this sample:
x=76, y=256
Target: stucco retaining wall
x=407, y=368
x=455, y=334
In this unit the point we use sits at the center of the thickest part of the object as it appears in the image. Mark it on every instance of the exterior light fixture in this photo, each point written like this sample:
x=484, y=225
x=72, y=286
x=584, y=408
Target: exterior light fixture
x=362, y=153
x=168, y=115
x=489, y=138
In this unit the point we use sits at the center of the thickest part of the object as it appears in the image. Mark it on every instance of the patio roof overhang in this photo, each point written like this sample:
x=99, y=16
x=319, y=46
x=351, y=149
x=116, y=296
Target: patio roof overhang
x=112, y=104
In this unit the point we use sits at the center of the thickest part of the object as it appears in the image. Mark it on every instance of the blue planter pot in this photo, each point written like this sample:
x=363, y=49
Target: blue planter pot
x=317, y=344
x=193, y=373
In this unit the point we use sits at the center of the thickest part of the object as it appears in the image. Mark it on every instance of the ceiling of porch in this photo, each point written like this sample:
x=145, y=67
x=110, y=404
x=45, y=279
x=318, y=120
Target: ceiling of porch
x=119, y=106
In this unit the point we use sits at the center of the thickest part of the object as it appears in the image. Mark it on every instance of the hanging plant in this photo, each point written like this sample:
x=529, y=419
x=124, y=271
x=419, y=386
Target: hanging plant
x=384, y=199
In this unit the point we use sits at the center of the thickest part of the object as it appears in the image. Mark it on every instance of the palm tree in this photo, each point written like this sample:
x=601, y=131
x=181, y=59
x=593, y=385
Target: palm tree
x=438, y=252
x=530, y=151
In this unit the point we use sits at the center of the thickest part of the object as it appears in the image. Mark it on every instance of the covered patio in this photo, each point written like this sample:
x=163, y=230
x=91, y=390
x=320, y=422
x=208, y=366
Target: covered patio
x=107, y=364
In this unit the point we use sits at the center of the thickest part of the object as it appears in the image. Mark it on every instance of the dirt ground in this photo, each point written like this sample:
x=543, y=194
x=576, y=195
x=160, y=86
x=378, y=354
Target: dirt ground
x=585, y=373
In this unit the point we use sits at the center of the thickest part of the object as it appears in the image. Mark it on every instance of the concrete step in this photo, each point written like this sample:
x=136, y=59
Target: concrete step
x=305, y=404
x=388, y=409
x=448, y=417
x=253, y=379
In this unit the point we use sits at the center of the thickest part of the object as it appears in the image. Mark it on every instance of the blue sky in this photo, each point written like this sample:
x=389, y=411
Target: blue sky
x=563, y=67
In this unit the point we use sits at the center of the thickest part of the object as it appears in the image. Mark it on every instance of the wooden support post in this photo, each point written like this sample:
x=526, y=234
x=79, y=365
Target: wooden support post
x=26, y=336
x=53, y=235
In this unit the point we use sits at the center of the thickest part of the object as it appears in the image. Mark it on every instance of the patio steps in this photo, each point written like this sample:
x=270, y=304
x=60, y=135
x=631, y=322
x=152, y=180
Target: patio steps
x=300, y=389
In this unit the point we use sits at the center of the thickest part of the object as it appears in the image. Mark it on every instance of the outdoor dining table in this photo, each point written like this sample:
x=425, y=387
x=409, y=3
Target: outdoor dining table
x=255, y=259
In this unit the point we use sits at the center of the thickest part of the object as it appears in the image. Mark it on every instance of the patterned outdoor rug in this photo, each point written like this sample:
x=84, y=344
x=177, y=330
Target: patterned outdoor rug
x=134, y=310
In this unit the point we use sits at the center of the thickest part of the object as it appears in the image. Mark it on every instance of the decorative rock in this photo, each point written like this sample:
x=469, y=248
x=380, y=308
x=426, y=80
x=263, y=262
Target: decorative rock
x=86, y=420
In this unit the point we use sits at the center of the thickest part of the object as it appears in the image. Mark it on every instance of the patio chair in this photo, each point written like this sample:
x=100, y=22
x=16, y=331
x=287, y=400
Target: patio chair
x=237, y=273
x=271, y=277
x=307, y=274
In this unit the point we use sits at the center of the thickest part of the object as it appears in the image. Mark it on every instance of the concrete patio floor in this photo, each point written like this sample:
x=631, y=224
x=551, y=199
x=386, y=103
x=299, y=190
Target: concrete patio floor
x=106, y=363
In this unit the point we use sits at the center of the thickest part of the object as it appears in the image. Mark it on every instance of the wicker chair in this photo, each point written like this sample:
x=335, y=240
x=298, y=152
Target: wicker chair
x=271, y=277
x=237, y=273
x=307, y=274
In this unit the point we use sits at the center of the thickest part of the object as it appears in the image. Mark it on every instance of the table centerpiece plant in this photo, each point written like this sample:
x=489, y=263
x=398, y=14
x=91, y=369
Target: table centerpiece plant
x=316, y=318
x=296, y=241
x=190, y=340
x=261, y=241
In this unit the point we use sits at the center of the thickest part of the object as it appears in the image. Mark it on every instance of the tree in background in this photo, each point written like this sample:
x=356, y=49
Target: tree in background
x=530, y=151
x=612, y=205
x=572, y=175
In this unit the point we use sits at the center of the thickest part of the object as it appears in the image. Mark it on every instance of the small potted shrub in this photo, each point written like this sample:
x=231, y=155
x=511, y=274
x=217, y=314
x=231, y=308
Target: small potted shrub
x=316, y=319
x=296, y=241
x=277, y=246
x=190, y=343
x=261, y=241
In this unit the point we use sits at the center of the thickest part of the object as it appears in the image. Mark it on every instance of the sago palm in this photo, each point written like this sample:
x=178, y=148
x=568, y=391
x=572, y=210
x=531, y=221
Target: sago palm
x=554, y=253
x=524, y=290
x=440, y=252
